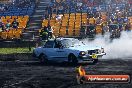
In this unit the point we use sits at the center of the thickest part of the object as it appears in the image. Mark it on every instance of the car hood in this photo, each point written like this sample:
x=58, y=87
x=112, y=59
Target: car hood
x=84, y=47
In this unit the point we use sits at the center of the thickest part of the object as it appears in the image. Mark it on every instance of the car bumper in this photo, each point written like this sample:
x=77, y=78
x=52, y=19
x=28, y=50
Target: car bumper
x=89, y=58
x=101, y=54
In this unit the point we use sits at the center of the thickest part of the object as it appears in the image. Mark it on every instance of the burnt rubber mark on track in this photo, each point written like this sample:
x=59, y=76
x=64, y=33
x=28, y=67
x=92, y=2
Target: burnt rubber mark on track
x=18, y=83
x=32, y=74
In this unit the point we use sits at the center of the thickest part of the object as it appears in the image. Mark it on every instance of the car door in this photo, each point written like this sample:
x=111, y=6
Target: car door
x=60, y=51
x=61, y=54
x=49, y=50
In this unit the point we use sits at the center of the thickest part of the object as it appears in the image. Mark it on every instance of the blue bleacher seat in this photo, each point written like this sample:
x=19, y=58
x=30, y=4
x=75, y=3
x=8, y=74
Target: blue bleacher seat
x=17, y=10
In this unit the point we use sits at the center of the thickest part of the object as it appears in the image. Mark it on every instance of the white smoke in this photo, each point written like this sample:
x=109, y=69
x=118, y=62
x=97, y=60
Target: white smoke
x=117, y=48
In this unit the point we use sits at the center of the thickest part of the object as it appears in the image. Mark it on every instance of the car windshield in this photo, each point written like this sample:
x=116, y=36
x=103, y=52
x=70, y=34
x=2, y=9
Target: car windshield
x=76, y=42
x=68, y=43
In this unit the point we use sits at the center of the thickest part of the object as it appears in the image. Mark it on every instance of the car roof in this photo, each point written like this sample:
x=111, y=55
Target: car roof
x=61, y=38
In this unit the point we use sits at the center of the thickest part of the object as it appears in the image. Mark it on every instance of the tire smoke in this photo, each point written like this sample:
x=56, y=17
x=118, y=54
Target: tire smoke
x=120, y=48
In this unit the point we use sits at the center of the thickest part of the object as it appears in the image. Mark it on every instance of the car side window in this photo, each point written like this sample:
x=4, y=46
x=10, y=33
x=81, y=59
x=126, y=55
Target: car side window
x=66, y=43
x=49, y=44
x=58, y=44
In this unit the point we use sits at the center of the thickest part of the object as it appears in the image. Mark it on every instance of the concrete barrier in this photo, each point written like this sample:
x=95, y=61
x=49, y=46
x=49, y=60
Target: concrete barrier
x=14, y=44
x=16, y=56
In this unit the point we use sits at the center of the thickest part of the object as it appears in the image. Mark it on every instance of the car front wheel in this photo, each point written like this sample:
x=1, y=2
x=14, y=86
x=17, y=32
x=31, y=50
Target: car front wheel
x=95, y=61
x=72, y=58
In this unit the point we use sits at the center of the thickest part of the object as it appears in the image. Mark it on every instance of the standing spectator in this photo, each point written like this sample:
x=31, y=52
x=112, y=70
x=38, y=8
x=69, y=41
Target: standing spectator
x=50, y=31
x=83, y=30
x=15, y=24
x=44, y=34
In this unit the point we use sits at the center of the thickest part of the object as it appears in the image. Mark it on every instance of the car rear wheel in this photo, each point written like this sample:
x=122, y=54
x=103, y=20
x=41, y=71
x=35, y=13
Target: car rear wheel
x=43, y=58
x=72, y=58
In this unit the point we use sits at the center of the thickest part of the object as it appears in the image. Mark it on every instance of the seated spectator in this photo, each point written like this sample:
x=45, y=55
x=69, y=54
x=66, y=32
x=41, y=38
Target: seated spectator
x=58, y=17
x=49, y=11
x=53, y=1
x=23, y=3
x=8, y=25
x=5, y=7
x=126, y=19
x=15, y=24
x=1, y=26
x=98, y=20
x=92, y=20
x=79, y=4
x=60, y=10
x=1, y=8
x=128, y=27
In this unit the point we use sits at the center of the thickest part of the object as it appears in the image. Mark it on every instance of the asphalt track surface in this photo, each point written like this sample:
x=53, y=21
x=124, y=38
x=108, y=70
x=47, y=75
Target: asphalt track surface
x=32, y=74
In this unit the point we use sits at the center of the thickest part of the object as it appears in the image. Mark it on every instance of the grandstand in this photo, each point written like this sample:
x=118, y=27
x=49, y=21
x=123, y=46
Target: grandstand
x=78, y=14
x=33, y=15
x=28, y=13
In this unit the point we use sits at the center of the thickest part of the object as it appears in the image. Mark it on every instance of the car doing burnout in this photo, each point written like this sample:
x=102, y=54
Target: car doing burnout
x=68, y=49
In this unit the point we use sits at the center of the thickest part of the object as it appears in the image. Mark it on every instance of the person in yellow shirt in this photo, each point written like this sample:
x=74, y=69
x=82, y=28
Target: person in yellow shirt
x=92, y=20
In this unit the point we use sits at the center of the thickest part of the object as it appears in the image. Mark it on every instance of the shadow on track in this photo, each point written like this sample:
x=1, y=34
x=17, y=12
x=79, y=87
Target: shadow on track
x=57, y=64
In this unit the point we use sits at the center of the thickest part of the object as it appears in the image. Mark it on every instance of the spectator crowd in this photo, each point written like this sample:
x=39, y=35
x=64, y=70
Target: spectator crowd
x=8, y=26
x=104, y=12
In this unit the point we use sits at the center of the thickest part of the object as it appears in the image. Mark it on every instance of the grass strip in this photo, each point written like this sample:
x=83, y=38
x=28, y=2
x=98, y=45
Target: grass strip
x=15, y=50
